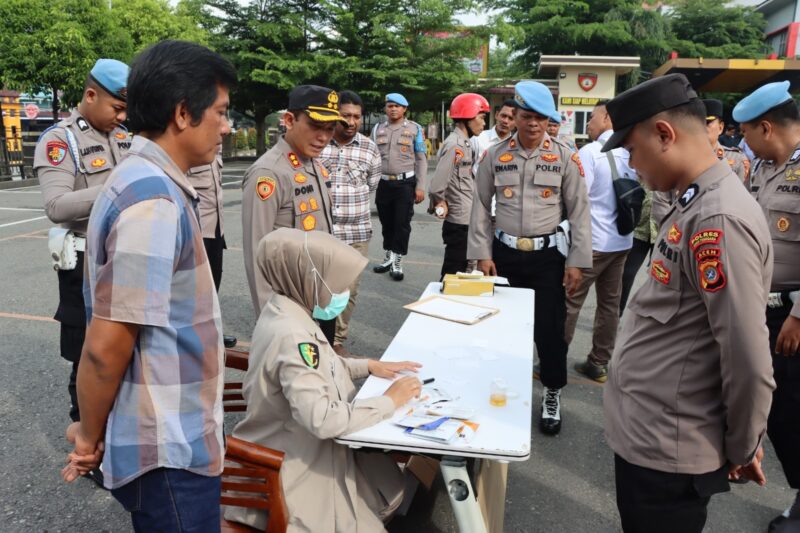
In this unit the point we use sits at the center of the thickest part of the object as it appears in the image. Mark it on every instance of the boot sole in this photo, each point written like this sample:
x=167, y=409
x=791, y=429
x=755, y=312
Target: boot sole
x=380, y=270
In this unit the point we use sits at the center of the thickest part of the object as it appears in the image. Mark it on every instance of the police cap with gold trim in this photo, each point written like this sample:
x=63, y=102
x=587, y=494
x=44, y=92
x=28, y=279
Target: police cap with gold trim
x=320, y=103
x=713, y=109
x=647, y=99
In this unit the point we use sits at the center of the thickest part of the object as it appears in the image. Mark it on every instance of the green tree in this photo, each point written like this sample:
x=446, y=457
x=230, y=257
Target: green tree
x=151, y=21
x=50, y=45
x=715, y=29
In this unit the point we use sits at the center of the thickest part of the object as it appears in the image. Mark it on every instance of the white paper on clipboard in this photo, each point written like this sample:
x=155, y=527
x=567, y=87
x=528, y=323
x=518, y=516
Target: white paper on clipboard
x=453, y=310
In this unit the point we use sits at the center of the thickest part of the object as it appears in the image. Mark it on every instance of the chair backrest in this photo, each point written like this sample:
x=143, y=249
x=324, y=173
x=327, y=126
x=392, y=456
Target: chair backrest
x=251, y=479
x=232, y=398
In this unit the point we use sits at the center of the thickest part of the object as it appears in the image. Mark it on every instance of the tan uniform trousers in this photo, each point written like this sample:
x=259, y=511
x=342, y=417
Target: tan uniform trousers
x=606, y=276
x=343, y=320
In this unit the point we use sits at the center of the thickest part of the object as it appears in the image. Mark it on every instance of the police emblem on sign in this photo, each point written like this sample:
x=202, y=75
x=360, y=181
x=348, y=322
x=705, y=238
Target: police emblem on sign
x=587, y=81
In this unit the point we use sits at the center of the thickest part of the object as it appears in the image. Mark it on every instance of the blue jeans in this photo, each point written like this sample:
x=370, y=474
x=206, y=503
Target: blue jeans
x=172, y=500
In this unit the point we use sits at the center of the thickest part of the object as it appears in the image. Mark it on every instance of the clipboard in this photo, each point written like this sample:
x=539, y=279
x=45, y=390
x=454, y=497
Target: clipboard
x=452, y=310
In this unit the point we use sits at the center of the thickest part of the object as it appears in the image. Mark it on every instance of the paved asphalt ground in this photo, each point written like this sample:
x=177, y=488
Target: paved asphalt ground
x=566, y=486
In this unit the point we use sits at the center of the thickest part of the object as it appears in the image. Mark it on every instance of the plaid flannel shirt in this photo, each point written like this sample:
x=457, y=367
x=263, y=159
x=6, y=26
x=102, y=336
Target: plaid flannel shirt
x=355, y=170
x=146, y=265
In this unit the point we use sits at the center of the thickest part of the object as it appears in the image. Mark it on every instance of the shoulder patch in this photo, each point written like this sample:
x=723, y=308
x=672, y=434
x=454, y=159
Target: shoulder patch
x=56, y=152
x=265, y=186
x=712, y=278
x=707, y=253
x=293, y=160
x=659, y=272
x=674, y=234
x=689, y=195
x=577, y=161
x=705, y=236
x=309, y=352
x=82, y=124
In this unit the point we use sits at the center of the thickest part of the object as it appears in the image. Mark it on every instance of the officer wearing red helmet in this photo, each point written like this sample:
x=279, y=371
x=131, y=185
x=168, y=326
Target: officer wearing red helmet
x=451, y=188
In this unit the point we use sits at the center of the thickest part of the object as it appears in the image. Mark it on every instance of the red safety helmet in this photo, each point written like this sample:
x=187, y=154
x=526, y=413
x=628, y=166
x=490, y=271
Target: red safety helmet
x=468, y=106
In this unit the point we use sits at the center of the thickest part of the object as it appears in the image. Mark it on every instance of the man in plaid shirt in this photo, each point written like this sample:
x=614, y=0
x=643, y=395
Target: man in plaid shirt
x=354, y=164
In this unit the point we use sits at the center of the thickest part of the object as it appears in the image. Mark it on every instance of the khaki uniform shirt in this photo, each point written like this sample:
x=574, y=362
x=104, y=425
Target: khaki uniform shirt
x=777, y=190
x=280, y=190
x=533, y=192
x=70, y=184
x=453, y=180
x=690, y=381
x=207, y=181
x=299, y=397
x=737, y=160
x=399, y=145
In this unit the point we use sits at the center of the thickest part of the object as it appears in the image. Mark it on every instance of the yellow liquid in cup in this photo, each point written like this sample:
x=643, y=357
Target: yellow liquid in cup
x=497, y=399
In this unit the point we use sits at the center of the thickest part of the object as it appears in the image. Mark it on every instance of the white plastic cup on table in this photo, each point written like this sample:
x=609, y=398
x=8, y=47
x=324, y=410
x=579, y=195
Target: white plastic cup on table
x=498, y=392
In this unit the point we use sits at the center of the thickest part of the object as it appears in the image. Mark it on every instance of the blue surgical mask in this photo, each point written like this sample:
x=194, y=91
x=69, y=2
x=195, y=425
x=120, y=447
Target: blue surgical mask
x=338, y=301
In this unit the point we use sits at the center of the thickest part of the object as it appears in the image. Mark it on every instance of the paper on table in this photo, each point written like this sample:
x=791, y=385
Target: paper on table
x=448, y=309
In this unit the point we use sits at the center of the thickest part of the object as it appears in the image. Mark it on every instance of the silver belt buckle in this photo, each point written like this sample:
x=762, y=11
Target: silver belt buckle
x=525, y=244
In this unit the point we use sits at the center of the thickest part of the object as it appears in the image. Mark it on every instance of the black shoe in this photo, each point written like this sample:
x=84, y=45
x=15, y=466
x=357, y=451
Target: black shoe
x=388, y=259
x=229, y=341
x=550, y=422
x=96, y=475
x=775, y=522
x=397, y=268
x=598, y=373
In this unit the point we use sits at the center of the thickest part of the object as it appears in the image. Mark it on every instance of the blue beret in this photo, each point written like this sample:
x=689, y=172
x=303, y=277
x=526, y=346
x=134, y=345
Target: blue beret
x=534, y=96
x=112, y=76
x=762, y=100
x=397, y=98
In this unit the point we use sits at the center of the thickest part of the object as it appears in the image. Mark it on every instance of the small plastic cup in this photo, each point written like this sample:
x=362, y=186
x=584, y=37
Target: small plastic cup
x=498, y=393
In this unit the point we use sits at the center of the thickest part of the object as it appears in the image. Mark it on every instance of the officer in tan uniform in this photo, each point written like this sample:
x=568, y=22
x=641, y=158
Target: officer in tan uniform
x=404, y=162
x=299, y=392
x=535, y=179
x=770, y=123
x=72, y=161
x=451, y=187
x=690, y=381
x=288, y=187
x=732, y=155
x=207, y=181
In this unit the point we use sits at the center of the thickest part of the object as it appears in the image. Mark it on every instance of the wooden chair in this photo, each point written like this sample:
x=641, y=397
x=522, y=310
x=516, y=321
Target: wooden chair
x=251, y=479
x=232, y=399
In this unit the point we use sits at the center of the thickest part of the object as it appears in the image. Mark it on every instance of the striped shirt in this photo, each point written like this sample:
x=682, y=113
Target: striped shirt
x=146, y=265
x=355, y=170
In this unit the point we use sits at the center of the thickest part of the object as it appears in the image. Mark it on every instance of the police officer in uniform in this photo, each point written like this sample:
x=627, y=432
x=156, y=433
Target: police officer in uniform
x=72, y=161
x=535, y=178
x=207, y=181
x=404, y=161
x=690, y=381
x=451, y=187
x=770, y=123
x=732, y=155
x=288, y=187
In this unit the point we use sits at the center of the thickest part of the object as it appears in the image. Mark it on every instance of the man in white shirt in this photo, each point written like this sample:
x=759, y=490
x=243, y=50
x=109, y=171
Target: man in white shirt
x=503, y=127
x=609, y=248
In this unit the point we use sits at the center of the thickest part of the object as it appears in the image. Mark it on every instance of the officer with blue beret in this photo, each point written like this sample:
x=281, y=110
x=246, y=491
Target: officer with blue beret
x=73, y=159
x=770, y=123
x=538, y=181
x=404, y=165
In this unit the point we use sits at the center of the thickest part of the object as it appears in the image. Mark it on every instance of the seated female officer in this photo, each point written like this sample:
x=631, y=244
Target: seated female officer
x=300, y=393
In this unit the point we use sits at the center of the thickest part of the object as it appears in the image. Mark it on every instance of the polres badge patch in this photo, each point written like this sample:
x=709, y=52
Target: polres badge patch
x=56, y=152
x=265, y=186
x=712, y=278
x=309, y=352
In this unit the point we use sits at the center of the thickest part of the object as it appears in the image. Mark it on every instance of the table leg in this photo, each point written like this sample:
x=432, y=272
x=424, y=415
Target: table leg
x=491, y=488
x=462, y=496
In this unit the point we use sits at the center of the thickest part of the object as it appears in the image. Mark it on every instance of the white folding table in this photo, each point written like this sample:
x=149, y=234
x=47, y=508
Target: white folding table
x=464, y=360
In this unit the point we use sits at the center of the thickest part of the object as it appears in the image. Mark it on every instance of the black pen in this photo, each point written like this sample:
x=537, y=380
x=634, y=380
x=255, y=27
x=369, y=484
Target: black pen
x=426, y=381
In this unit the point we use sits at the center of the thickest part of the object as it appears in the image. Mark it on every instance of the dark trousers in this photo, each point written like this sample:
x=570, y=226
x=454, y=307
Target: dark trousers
x=783, y=426
x=542, y=271
x=650, y=501
x=71, y=314
x=633, y=263
x=168, y=499
x=214, y=248
x=395, y=203
x=455, y=247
